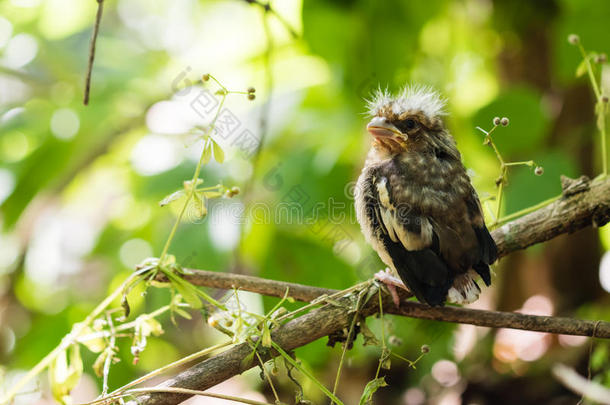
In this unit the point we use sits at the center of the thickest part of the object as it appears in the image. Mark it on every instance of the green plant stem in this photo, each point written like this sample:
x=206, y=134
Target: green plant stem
x=318, y=300
x=522, y=163
x=163, y=369
x=347, y=341
x=383, y=345
x=108, y=361
x=602, y=130
x=131, y=392
x=590, y=71
x=500, y=194
x=267, y=376
x=526, y=210
x=600, y=111
x=193, y=181
x=69, y=339
x=321, y=386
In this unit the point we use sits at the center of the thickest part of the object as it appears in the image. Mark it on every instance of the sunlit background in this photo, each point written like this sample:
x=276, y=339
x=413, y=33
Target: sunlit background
x=80, y=186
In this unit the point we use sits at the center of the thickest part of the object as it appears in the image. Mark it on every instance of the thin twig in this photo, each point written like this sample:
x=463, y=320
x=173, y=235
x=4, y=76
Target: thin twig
x=578, y=384
x=110, y=355
x=96, y=29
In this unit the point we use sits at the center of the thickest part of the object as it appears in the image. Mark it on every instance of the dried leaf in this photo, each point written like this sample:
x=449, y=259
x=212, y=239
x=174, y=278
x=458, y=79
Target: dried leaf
x=368, y=335
x=98, y=365
x=370, y=389
x=172, y=197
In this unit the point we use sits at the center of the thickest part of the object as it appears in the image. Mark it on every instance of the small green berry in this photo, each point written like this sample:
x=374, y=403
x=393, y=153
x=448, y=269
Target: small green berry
x=205, y=77
x=496, y=121
x=504, y=121
x=539, y=171
x=574, y=39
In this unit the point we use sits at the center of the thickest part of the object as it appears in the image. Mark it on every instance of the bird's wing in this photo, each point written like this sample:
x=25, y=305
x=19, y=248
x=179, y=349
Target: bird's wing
x=413, y=244
x=488, y=251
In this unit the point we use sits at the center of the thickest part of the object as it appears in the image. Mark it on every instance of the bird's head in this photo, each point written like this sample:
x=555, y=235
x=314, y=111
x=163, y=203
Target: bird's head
x=409, y=121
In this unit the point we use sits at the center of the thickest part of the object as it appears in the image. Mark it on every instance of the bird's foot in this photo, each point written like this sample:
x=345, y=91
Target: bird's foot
x=385, y=277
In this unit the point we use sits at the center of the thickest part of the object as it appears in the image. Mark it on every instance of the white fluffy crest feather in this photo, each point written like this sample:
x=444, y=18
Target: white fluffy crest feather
x=410, y=98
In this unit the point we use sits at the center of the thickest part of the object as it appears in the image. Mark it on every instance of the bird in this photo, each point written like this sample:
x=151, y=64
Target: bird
x=416, y=205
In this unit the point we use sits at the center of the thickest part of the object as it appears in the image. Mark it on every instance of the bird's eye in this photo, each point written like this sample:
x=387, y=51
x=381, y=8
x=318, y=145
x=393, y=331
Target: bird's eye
x=407, y=125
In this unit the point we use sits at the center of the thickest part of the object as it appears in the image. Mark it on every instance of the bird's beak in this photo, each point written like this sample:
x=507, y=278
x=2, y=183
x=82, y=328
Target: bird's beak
x=381, y=128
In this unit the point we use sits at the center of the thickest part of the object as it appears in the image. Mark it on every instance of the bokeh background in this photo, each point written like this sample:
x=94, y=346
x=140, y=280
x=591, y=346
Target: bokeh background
x=80, y=186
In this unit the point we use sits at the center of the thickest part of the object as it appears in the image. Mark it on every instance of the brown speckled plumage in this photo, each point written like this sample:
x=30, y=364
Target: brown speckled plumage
x=416, y=205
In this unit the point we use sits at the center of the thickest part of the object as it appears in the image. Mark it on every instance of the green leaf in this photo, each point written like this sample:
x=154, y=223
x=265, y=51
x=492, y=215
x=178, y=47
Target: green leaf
x=246, y=362
x=206, y=154
x=370, y=389
x=212, y=194
x=266, y=338
x=600, y=357
x=199, y=203
x=172, y=197
x=601, y=116
x=65, y=372
x=150, y=326
x=368, y=335
x=186, y=289
x=219, y=155
x=183, y=313
x=98, y=365
x=581, y=69
x=95, y=345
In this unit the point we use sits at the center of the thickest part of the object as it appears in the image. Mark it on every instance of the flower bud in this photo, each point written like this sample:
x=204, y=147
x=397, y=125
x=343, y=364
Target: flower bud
x=574, y=39
x=604, y=99
x=425, y=349
x=251, y=96
x=496, y=121
x=205, y=77
x=539, y=171
x=251, y=90
x=504, y=121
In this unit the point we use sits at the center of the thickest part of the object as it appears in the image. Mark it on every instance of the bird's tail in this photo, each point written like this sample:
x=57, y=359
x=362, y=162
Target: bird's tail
x=465, y=289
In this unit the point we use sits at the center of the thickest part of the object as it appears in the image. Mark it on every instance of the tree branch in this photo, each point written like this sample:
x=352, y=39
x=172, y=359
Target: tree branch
x=96, y=30
x=582, y=204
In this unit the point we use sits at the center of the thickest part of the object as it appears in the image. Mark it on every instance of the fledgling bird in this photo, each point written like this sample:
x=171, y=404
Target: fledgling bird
x=416, y=205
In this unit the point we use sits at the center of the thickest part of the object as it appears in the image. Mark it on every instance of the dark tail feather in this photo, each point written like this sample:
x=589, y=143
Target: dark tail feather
x=483, y=270
x=489, y=250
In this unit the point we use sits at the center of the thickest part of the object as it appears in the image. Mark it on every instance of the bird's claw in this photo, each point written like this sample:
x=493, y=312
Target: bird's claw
x=391, y=282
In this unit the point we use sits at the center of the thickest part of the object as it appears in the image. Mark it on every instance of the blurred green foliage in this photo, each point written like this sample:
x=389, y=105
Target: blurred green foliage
x=78, y=185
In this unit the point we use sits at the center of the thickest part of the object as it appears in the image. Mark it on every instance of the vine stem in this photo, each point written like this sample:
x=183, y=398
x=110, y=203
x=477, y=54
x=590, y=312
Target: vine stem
x=194, y=180
x=526, y=210
x=163, y=369
x=600, y=111
x=176, y=390
x=347, y=341
x=69, y=339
